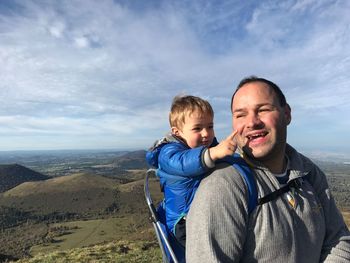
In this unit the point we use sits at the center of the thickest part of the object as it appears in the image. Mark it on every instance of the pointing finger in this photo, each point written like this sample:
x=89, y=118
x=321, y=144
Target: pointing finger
x=232, y=135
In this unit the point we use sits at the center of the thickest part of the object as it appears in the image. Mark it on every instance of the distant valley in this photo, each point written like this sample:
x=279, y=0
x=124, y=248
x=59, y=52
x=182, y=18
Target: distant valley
x=59, y=163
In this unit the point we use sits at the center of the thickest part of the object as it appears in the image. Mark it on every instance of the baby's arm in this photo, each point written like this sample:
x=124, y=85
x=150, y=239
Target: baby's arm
x=226, y=147
x=178, y=159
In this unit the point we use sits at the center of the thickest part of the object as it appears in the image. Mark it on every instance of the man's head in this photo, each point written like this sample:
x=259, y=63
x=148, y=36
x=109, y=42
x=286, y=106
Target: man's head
x=191, y=119
x=261, y=115
x=278, y=91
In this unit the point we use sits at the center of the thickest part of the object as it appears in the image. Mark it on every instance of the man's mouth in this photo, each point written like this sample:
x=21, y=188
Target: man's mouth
x=256, y=135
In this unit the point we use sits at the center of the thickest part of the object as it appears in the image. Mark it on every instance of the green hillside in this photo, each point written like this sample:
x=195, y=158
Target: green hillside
x=132, y=160
x=73, y=212
x=79, y=194
x=12, y=175
x=119, y=251
x=96, y=215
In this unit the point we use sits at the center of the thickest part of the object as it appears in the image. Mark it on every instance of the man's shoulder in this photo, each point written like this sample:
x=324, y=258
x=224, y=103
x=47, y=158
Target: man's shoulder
x=223, y=173
x=222, y=184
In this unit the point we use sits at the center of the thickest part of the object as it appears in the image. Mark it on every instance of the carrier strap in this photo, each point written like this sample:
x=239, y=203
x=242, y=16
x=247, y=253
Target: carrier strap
x=246, y=172
x=295, y=183
x=248, y=177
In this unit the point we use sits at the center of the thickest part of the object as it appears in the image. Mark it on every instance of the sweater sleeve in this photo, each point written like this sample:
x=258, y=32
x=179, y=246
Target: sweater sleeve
x=336, y=245
x=216, y=224
x=176, y=159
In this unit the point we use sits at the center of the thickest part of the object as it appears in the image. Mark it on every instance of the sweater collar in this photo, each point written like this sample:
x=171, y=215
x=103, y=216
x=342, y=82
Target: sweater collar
x=297, y=167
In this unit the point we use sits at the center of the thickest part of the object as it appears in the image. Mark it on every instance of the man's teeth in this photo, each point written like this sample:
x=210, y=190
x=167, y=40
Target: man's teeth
x=250, y=137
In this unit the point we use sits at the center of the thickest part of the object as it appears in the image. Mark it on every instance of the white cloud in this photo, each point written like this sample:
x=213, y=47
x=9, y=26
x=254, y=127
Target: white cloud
x=81, y=42
x=91, y=68
x=57, y=29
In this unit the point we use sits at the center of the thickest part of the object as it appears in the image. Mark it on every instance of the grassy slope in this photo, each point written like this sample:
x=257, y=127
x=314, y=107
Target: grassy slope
x=132, y=235
x=12, y=175
x=86, y=233
x=78, y=193
x=120, y=251
x=69, y=194
x=129, y=225
x=117, y=251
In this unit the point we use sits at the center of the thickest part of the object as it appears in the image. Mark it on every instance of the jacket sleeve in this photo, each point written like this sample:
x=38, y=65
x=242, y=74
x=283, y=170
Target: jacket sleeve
x=152, y=157
x=336, y=244
x=177, y=159
x=216, y=225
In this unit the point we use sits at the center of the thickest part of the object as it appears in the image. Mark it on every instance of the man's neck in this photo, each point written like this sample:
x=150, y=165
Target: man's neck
x=277, y=165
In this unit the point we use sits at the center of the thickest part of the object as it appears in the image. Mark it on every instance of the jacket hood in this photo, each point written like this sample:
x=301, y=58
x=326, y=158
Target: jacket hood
x=153, y=152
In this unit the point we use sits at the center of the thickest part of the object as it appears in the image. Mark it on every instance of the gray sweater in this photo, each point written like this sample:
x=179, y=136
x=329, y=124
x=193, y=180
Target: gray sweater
x=219, y=228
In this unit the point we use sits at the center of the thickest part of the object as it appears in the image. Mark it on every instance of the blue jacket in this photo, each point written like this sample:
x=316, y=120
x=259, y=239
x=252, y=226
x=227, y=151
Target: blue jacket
x=180, y=170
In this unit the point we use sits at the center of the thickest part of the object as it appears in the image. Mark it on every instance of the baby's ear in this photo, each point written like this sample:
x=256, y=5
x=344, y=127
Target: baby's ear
x=175, y=131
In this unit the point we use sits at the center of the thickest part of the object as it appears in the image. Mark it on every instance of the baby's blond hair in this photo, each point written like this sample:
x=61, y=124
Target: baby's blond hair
x=183, y=106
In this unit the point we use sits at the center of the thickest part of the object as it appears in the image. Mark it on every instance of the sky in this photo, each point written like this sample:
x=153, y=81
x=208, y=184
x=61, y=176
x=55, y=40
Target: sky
x=81, y=74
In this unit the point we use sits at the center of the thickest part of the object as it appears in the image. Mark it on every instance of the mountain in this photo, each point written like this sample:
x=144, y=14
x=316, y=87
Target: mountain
x=132, y=160
x=28, y=208
x=12, y=175
x=140, y=154
x=77, y=194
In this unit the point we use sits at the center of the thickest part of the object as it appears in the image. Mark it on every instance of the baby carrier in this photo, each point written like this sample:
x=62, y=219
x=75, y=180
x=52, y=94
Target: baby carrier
x=172, y=251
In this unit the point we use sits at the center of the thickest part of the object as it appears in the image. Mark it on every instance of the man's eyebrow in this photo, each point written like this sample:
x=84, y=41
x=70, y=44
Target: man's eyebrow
x=256, y=107
x=266, y=104
x=239, y=110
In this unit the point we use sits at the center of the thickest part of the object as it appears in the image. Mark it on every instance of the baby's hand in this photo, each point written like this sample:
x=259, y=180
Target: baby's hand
x=224, y=148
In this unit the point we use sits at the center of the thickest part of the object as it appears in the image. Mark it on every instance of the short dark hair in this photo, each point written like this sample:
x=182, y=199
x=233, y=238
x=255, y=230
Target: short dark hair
x=281, y=98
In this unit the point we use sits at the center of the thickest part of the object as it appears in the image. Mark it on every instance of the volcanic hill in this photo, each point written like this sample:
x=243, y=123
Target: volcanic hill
x=12, y=175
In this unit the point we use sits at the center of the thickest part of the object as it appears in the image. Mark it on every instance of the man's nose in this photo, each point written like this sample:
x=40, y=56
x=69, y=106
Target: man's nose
x=253, y=120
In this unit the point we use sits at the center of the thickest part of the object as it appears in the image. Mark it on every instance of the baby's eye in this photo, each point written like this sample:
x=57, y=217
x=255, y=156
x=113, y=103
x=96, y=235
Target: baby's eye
x=196, y=129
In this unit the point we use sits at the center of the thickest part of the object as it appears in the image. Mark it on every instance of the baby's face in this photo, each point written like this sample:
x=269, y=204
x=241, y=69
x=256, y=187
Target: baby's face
x=198, y=130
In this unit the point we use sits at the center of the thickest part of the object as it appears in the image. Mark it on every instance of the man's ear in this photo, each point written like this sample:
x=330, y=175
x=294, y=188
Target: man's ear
x=288, y=113
x=175, y=131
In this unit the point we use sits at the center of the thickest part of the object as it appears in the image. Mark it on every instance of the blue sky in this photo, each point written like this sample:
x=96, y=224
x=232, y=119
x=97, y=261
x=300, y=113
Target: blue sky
x=102, y=74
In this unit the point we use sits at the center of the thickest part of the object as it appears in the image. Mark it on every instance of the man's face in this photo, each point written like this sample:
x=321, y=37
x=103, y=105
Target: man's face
x=260, y=121
x=197, y=130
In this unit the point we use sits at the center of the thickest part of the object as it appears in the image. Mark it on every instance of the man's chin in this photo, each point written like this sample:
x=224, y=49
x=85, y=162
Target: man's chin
x=257, y=154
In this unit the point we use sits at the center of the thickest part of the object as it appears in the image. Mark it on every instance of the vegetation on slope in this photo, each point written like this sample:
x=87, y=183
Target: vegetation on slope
x=48, y=205
x=120, y=251
x=78, y=195
x=87, y=217
x=12, y=175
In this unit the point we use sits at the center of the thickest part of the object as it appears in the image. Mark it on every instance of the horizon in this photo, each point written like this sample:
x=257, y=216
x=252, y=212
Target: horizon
x=90, y=75
x=320, y=155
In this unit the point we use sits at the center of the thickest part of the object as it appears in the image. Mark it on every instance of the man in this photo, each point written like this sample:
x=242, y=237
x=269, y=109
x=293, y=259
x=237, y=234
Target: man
x=297, y=220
